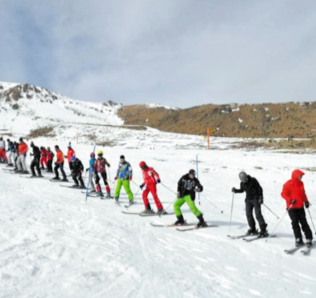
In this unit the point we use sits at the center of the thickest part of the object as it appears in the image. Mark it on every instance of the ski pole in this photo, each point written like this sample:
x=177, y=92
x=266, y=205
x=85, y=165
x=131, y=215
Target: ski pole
x=287, y=211
x=168, y=188
x=197, y=175
x=169, y=206
x=90, y=173
x=213, y=204
x=271, y=211
x=311, y=220
x=231, y=212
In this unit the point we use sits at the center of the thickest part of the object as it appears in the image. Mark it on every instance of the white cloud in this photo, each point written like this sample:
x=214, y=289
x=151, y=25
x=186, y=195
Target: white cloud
x=179, y=52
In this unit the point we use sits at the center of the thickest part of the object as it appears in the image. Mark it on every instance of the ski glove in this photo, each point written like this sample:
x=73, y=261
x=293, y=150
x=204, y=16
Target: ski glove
x=293, y=202
x=130, y=178
x=178, y=195
x=115, y=178
x=307, y=204
x=234, y=190
x=260, y=201
x=158, y=181
x=141, y=186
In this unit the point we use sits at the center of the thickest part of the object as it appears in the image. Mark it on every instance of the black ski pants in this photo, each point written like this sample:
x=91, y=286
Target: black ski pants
x=76, y=177
x=254, y=204
x=61, y=167
x=49, y=165
x=35, y=163
x=298, y=217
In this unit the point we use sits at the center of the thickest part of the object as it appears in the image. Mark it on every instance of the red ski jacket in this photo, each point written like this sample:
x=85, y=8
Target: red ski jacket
x=294, y=190
x=23, y=148
x=70, y=153
x=44, y=153
x=60, y=156
x=50, y=155
x=150, y=176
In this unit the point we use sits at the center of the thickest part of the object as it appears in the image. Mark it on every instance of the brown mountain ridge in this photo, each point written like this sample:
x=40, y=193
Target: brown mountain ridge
x=281, y=120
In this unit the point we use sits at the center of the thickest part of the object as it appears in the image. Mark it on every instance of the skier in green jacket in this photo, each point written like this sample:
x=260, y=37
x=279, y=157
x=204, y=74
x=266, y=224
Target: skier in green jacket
x=123, y=176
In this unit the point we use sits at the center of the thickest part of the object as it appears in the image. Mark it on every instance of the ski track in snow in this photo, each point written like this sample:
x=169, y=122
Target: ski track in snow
x=55, y=244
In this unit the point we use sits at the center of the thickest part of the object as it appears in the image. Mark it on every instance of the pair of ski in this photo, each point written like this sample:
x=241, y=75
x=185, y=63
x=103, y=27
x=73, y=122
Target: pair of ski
x=246, y=238
x=145, y=214
x=32, y=177
x=73, y=186
x=305, y=249
x=189, y=226
x=130, y=203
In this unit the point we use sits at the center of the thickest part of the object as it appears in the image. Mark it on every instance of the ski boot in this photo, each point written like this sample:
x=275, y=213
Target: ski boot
x=40, y=176
x=33, y=176
x=202, y=223
x=25, y=172
x=180, y=221
x=56, y=178
x=116, y=199
x=82, y=186
x=252, y=232
x=263, y=234
x=131, y=202
x=100, y=195
x=299, y=242
x=108, y=195
x=309, y=242
x=148, y=210
x=161, y=212
x=64, y=179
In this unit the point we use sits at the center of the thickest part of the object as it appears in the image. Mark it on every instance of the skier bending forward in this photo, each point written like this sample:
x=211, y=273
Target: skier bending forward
x=188, y=185
x=254, y=199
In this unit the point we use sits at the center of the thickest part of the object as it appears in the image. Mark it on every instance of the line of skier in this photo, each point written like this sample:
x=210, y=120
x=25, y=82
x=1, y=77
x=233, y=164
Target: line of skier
x=293, y=190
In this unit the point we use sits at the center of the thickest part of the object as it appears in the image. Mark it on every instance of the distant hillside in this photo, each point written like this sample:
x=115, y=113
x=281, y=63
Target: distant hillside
x=258, y=120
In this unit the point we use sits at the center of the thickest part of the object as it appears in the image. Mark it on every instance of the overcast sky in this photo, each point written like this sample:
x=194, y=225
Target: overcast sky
x=174, y=52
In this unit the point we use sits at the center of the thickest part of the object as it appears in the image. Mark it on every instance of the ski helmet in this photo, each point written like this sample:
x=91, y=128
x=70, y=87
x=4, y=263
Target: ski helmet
x=73, y=158
x=192, y=172
x=56, y=147
x=92, y=154
x=122, y=157
x=21, y=139
x=243, y=177
x=100, y=152
x=32, y=144
x=142, y=165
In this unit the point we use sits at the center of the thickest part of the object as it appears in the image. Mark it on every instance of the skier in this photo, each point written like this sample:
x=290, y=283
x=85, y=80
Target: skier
x=294, y=194
x=92, y=177
x=69, y=155
x=254, y=200
x=23, y=148
x=59, y=164
x=151, y=179
x=3, y=156
x=77, y=171
x=11, y=151
x=101, y=164
x=50, y=158
x=123, y=176
x=188, y=185
x=43, y=158
x=36, y=161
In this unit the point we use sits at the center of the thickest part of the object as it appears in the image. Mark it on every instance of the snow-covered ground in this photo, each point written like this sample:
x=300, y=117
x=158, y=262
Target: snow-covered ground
x=55, y=244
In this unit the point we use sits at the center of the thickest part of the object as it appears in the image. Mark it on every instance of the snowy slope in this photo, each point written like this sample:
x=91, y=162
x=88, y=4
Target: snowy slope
x=38, y=107
x=54, y=244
